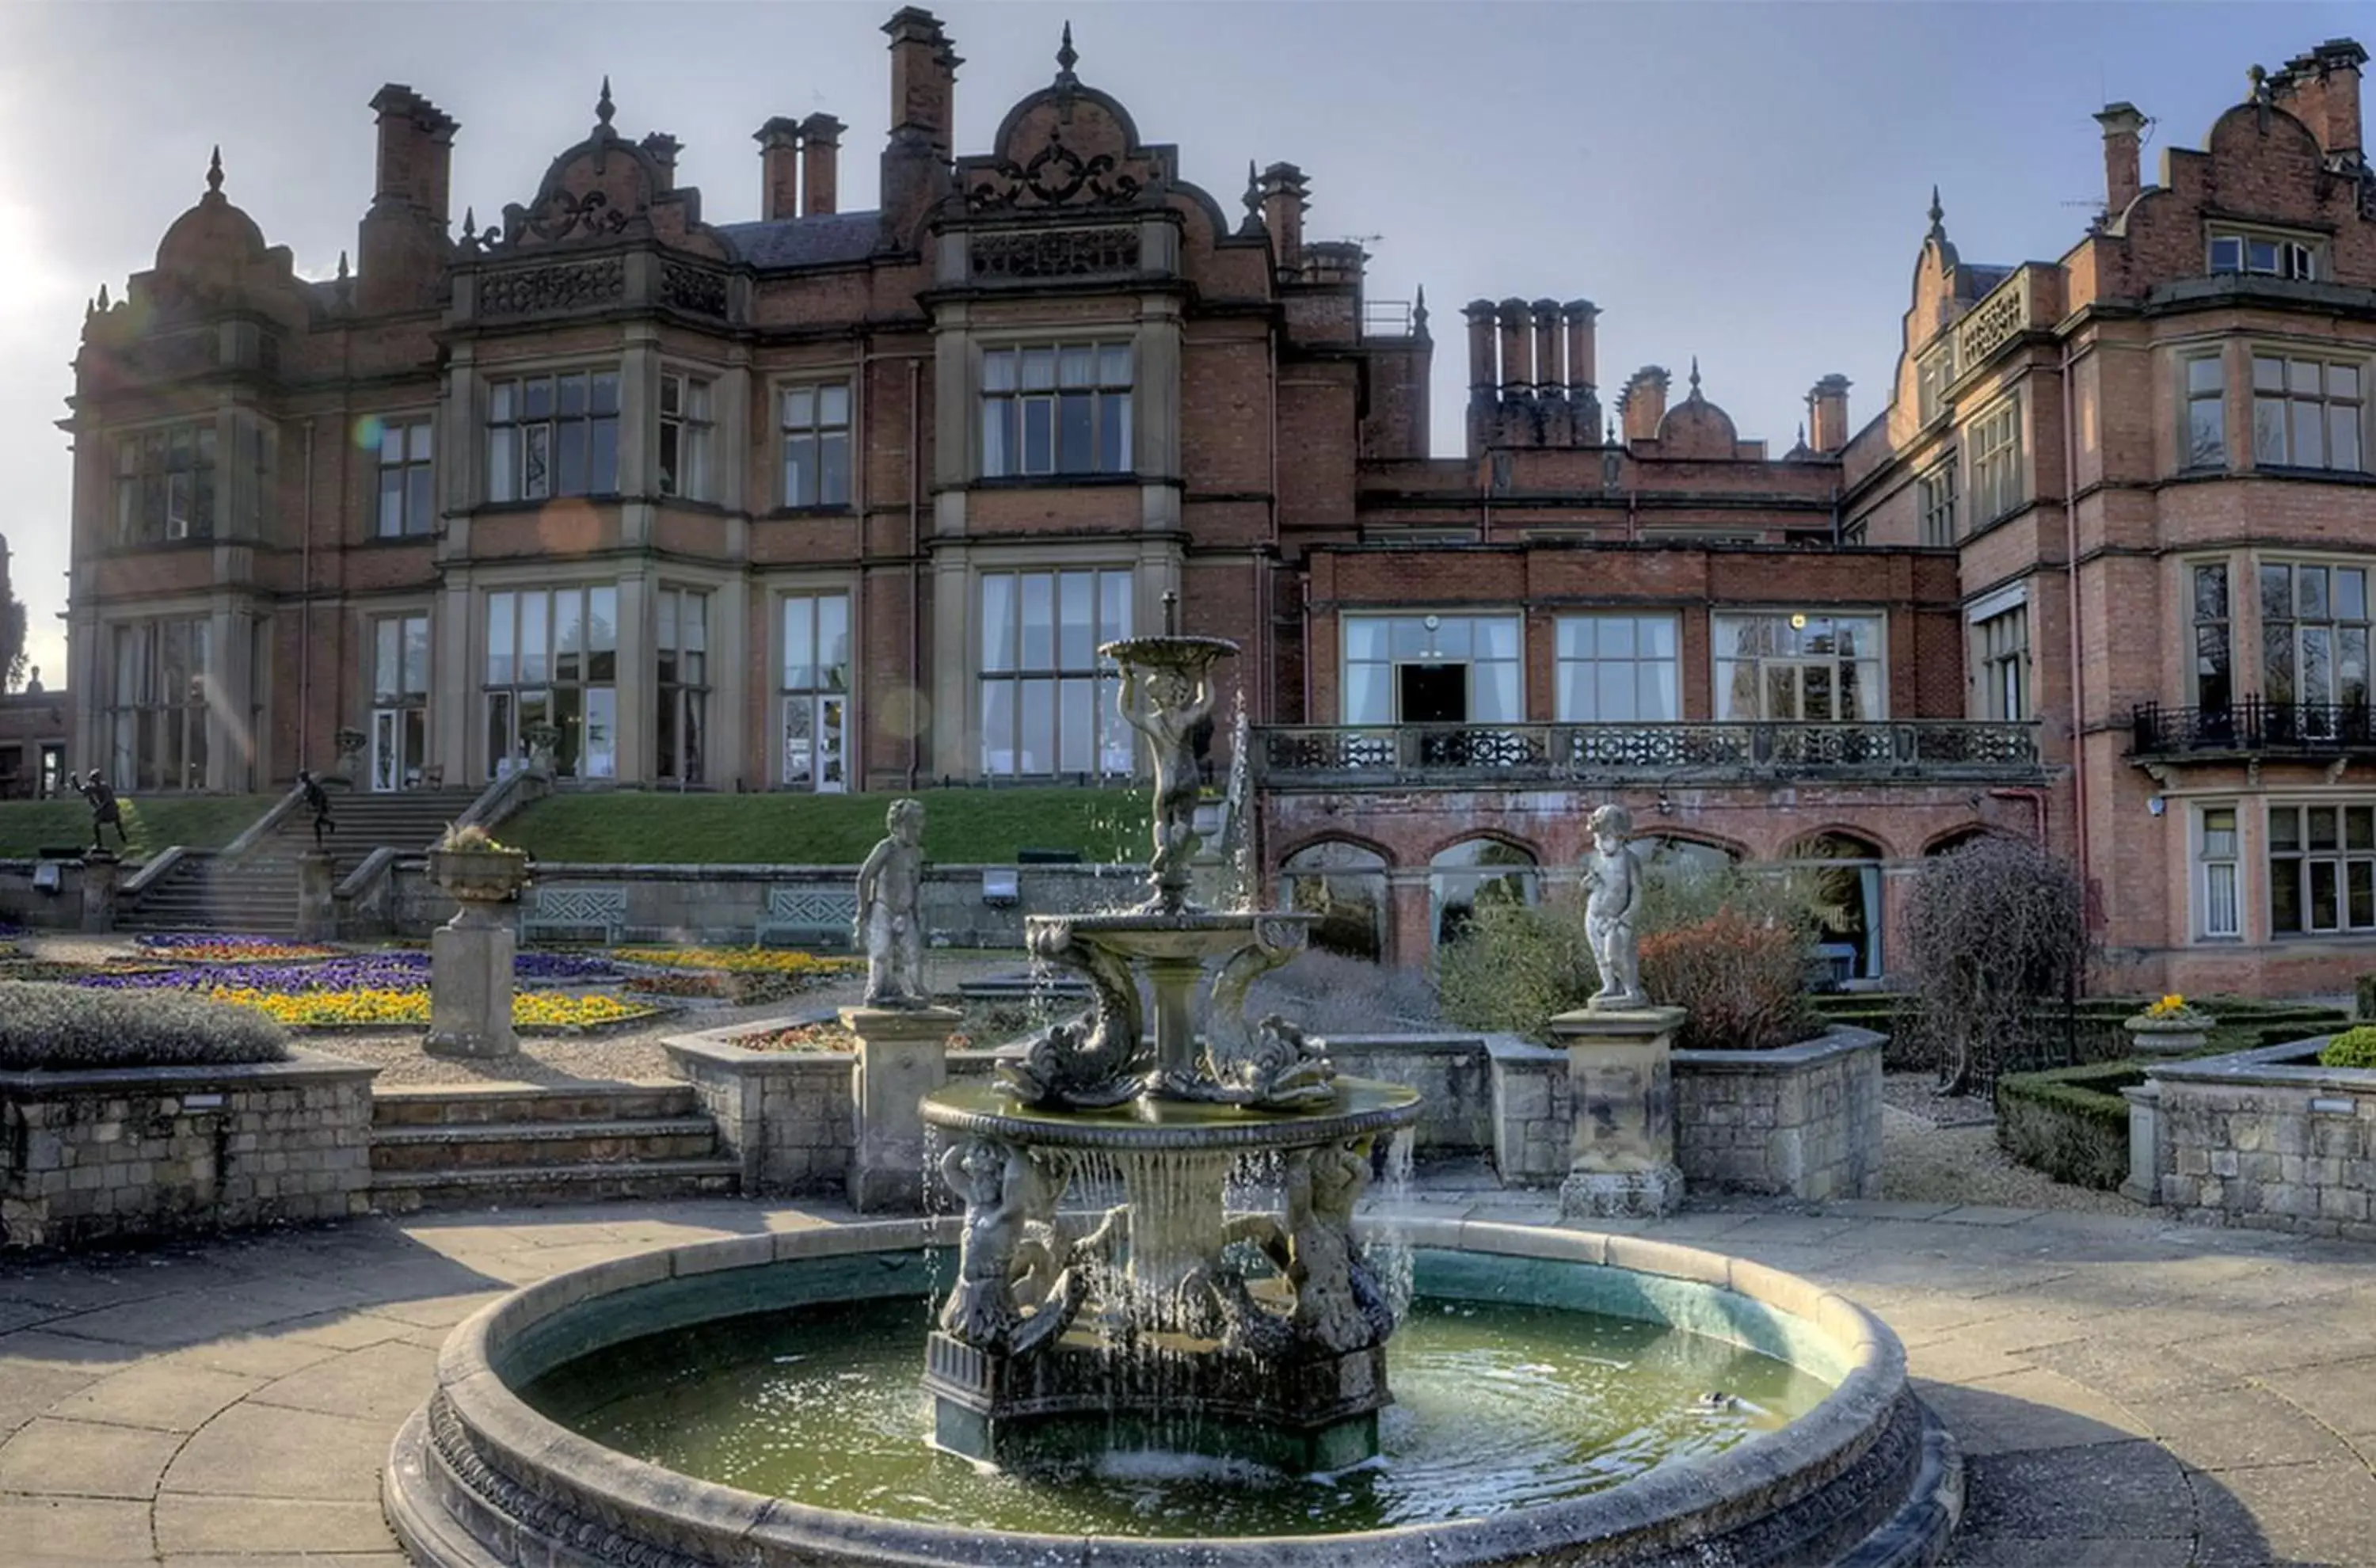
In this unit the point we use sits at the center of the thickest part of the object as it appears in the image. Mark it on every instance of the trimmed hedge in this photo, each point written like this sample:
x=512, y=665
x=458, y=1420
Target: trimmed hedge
x=70, y=1028
x=2070, y=1123
x=2244, y=1023
x=2352, y=1048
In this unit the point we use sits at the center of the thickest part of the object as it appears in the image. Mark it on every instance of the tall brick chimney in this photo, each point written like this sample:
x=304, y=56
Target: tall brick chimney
x=401, y=245
x=1285, y=195
x=820, y=166
x=662, y=148
x=2321, y=89
x=1828, y=414
x=1642, y=403
x=2121, y=181
x=1583, y=393
x=779, y=167
x=1547, y=346
x=1482, y=381
x=923, y=113
x=1517, y=351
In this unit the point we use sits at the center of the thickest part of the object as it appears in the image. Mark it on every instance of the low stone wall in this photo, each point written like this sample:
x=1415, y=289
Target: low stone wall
x=2264, y=1138
x=1450, y=1072
x=728, y=903
x=146, y=1152
x=790, y=1116
x=1534, y=1116
x=22, y=903
x=1802, y=1121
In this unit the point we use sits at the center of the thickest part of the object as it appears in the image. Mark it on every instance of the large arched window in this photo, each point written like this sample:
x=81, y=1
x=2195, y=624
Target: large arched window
x=1846, y=888
x=1344, y=885
x=1686, y=857
x=1474, y=873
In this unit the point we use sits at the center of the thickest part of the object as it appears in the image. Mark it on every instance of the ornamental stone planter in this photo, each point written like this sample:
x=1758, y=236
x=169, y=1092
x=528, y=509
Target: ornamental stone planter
x=470, y=955
x=2179, y=1036
x=2269, y=1139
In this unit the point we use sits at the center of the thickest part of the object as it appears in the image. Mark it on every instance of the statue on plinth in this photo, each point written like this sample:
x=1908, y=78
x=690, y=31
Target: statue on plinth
x=1612, y=911
x=1175, y=700
x=890, y=922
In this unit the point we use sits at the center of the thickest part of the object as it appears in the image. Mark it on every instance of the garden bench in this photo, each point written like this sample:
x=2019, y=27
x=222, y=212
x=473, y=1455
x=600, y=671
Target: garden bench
x=807, y=917
x=574, y=914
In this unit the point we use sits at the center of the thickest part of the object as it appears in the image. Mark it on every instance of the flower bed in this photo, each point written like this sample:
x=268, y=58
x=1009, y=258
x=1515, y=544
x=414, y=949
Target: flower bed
x=737, y=960
x=798, y=1037
x=365, y=1008
x=364, y=971
x=740, y=977
x=215, y=947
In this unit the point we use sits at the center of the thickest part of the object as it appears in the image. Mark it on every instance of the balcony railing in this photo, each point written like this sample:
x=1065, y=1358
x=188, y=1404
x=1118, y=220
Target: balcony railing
x=2255, y=727
x=1386, y=756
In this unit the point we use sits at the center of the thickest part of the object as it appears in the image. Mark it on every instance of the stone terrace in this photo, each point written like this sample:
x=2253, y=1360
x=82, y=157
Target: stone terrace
x=2126, y=1392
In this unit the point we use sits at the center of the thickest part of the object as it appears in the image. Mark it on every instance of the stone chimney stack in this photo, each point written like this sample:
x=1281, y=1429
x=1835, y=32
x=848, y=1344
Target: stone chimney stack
x=923, y=113
x=662, y=148
x=2321, y=89
x=1583, y=391
x=779, y=167
x=416, y=152
x=2121, y=124
x=820, y=167
x=1285, y=195
x=1552, y=426
x=1828, y=414
x=1642, y=403
x=1482, y=379
x=1517, y=351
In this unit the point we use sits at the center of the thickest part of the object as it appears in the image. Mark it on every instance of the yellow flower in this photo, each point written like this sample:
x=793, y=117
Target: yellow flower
x=739, y=960
x=531, y=1009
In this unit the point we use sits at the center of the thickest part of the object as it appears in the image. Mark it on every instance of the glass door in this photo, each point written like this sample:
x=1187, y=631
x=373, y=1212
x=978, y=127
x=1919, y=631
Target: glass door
x=815, y=688
x=399, y=732
x=816, y=742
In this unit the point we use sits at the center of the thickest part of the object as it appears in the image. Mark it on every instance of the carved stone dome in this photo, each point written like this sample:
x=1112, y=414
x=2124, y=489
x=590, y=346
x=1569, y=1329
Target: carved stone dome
x=1696, y=428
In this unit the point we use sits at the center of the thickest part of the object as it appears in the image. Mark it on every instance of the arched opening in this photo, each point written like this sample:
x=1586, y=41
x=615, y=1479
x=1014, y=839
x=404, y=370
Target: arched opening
x=1688, y=857
x=1473, y=874
x=1845, y=885
x=1344, y=885
x=1949, y=842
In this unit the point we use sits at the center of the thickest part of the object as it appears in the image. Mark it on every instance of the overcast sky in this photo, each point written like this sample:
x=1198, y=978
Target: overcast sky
x=1745, y=183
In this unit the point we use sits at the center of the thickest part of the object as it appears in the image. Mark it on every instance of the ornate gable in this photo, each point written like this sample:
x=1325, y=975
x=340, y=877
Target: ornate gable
x=1070, y=149
x=604, y=188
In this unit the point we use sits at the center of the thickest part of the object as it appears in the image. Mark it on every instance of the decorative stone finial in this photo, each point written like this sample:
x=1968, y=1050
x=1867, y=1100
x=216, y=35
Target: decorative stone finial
x=1938, y=216
x=342, y=267
x=470, y=222
x=214, y=172
x=1418, y=313
x=103, y=307
x=2259, y=79
x=1695, y=376
x=1171, y=612
x=1066, y=56
x=603, y=109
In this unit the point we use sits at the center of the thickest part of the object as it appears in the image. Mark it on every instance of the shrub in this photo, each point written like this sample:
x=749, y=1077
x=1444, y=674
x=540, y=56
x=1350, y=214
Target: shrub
x=2068, y=1122
x=1518, y=967
x=1334, y=993
x=1997, y=942
x=2352, y=1048
x=62, y=1027
x=1738, y=977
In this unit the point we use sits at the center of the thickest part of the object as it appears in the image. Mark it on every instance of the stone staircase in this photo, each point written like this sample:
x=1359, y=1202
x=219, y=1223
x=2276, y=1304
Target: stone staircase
x=500, y=1145
x=259, y=894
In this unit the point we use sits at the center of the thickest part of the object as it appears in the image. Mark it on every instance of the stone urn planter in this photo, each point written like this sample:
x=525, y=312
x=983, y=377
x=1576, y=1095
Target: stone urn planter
x=470, y=955
x=477, y=879
x=542, y=740
x=2170, y=1027
x=349, y=763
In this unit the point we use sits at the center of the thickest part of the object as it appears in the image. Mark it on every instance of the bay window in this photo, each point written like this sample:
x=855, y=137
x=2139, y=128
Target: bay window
x=1798, y=667
x=165, y=484
x=685, y=437
x=2213, y=653
x=2314, y=627
x=1057, y=409
x=2206, y=413
x=2306, y=412
x=551, y=435
x=552, y=658
x=2322, y=869
x=1048, y=698
x=156, y=718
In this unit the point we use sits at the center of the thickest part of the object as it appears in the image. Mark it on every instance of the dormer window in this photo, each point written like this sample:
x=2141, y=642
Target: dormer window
x=2263, y=254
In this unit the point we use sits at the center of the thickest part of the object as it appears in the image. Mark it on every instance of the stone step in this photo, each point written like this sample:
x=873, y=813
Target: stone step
x=520, y=1144
x=402, y=1191
x=468, y=1104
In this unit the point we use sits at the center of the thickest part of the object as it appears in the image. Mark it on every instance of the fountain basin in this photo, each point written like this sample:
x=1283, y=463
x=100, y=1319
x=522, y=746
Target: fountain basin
x=479, y=1479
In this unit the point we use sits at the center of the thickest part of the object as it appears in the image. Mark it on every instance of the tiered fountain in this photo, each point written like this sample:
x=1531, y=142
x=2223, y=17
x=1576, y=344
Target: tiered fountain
x=1167, y=1317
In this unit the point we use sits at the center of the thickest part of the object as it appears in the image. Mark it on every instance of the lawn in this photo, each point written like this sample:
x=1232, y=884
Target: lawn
x=152, y=822
x=961, y=826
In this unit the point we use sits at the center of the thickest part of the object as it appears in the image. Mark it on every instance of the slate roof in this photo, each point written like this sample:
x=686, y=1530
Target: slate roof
x=820, y=241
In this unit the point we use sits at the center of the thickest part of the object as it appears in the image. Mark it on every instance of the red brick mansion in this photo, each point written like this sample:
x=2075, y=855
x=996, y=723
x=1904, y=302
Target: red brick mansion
x=835, y=500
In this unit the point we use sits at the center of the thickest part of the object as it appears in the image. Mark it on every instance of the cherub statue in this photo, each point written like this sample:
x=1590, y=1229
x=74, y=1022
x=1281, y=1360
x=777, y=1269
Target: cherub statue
x=1168, y=713
x=889, y=925
x=1611, y=909
x=1005, y=1191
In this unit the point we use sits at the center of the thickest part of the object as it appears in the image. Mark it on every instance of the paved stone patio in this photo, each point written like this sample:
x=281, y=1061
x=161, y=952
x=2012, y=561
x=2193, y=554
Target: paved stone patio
x=2129, y=1393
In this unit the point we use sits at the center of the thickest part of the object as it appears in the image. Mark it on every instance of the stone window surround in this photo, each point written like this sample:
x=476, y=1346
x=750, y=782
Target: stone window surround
x=233, y=647
x=370, y=613
x=405, y=419
x=2245, y=675
x=774, y=589
x=2186, y=360
x=702, y=445
x=2344, y=855
x=240, y=487
x=1977, y=492
x=1154, y=325
x=555, y=370
x=2327, y=352
x=848, y=372
x=2191, y=636
x=1937, y=491
x=1993, y=651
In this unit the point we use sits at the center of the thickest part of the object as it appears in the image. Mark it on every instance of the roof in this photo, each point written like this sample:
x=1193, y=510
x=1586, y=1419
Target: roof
x=820, y=241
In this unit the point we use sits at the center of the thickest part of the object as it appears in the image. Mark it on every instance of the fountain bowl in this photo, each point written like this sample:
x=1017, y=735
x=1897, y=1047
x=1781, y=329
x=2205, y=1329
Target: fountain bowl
x=1175, y=651
x=479, y=1479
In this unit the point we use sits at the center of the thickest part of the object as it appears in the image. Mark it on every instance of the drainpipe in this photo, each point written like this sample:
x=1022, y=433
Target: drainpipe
x=305, y=612
x=2071, y=582
x=915, y=562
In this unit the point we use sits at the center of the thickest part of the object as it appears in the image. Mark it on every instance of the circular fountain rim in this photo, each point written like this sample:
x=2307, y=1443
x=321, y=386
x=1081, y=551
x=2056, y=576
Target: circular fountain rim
x=1171, y=648
x=580, y=1485
x=1219, y=1128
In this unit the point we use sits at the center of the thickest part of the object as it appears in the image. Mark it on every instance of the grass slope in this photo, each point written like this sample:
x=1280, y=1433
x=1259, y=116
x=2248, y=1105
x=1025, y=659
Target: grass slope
x=152, y=822
x=961, y=826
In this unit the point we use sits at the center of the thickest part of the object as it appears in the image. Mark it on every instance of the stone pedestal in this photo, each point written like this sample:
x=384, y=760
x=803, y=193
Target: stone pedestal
x=316, y=912
x=471, y=990
x=2144, y=1185
x=902, y=1056
x=1621, y=1082
x=99, y=878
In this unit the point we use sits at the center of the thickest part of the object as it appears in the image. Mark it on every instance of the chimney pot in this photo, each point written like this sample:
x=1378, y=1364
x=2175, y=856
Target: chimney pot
x=1285, y=195
x=779, y=163
x=1828, y=414
x=1517, y=348
x=820, y=164
x=2121, y=125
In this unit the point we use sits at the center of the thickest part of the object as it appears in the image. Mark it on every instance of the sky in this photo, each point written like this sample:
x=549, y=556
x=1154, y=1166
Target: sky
x=1745, y=183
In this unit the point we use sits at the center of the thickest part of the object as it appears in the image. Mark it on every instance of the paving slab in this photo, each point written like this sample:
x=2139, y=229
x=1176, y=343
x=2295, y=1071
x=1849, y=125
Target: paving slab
x=167, y=1395
x=379, y=1382
x=58, y=1458
x=2237, y=1429
x=265, y=1451
x=274, y=1525
x=73, y=1529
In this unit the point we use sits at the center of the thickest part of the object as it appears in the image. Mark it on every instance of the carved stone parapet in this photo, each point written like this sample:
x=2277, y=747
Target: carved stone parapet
x=562, y=286
x=1055, y=253
x=692, y=288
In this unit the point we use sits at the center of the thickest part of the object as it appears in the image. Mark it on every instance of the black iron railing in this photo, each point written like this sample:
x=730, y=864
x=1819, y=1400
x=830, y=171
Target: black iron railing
x=1286, y=756
x=2253, y=726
